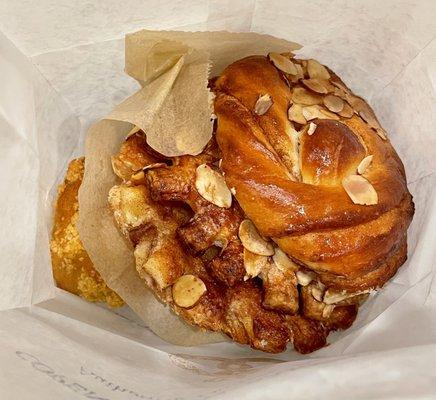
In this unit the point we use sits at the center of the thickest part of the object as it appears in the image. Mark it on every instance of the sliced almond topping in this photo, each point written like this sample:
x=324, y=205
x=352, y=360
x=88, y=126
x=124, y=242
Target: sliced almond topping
x=283, y=63
x=327, y=310
x=233, y=191
x=295, y=113
x=340, y=86
x=138, y=177
x=263, y=104
x=154, y=165
x=187, y=290
x=252, y=240
x=303, y=96
x=304, y=278
x=364, y=164
x=253, y=264
x=283, y=262
x=312, y=112
x=346, y=112
x=317, y=70
x=332, y=296
x=382, y=133
x=326, y=114
x=334, y=103
x=300, y=72
x=212, y=186
x=360, y=190
x=312, y=128
x=317, y=293
x=315, y=85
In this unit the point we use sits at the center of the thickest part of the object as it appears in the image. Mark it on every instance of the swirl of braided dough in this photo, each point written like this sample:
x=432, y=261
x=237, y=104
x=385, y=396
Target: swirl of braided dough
x=289, y=182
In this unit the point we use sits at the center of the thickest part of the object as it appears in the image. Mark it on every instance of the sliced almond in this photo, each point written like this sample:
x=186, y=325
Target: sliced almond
x=252, y=240
x=283, y=63
x=346, y=112
x=283, y=262
x=295, y=113
x=154, y=165
x=317, y=70
x=304, y=278
x=360, y=190
x=263, y=104
x=334, y=103
x=382, y=133
x=315, y=85
x=253, y=264
x=327, y=310
x=187, y=290
x=211, y=186
x=312, y=128
x=312, y=112
x=326, y=114
x=300, y=72
x=318, y=293
x=233, y=191
x=364, y=164
x=302, y=96
x=138, y=177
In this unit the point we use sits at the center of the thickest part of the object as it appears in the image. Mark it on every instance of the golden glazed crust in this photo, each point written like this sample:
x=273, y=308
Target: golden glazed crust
x=309, y=214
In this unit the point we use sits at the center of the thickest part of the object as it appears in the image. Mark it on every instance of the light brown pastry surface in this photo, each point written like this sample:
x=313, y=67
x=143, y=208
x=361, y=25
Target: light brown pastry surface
x=318, y=253
x=72, y=269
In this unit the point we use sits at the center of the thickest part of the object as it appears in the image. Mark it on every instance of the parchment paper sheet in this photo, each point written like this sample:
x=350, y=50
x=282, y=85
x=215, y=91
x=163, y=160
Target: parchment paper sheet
x=61, y=68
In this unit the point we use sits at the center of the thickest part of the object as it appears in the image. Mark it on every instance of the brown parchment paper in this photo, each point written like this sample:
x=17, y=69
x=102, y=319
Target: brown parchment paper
x=173, y=108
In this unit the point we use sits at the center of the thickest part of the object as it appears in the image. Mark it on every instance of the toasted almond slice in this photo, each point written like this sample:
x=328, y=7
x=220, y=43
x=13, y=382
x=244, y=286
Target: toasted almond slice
x=138, y=177
x=312, y=128
x=310, y=112
x=295, y=113
x=253, y=264
x=382, y=133
x=364, y=164
x=154, y=165
x=346, y=112
x=263, y=104
x=334, y=103
x=334, y=296
x=302, y=96
x=187, y=290
x=283, y=63
x=326, y=114
x=360, y=190
x=340, y=86
x=283, y=262
x=212, y=186
x=317, y=293
x=327, y=310
x=300, y=72
x=252, y=240
x=315, y=85
x=304, y=278
x=317, y=70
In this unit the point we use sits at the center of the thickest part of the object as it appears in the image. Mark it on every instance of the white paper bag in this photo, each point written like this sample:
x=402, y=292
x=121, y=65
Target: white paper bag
x=61, y=68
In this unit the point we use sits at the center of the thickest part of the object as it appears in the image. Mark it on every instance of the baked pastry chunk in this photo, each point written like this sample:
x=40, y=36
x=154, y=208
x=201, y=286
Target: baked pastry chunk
x=73, y=271
x=278, y=230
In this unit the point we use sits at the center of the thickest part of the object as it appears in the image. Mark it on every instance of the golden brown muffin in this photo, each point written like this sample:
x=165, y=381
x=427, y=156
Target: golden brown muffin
x=72, y=268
